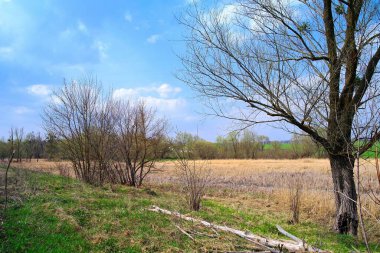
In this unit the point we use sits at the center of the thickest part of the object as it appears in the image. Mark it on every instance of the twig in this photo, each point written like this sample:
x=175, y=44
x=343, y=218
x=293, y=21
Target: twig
x=216, y=232
x=287, y=234
x=184, y=232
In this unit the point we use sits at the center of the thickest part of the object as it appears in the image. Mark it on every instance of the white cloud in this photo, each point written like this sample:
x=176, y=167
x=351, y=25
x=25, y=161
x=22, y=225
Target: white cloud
x=102, y=48
x=128, y=17
x=82, y=27
x=6, y=52
x=125, y=93
x=190, y=118
x=39, y=89
x=160, y=97
x=192, y=1
x=67, y=33
x=153, y=38
x=229, y=12
x=56, y=100
x=164, y=104
x=164, y=90
x=62, y=69
x=21, y=110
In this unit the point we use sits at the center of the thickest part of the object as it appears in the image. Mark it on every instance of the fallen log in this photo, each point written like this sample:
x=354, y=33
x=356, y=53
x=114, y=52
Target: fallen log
x=272, y=245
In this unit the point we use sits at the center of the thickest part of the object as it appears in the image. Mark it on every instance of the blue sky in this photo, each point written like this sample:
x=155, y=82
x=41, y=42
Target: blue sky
x=131, y=46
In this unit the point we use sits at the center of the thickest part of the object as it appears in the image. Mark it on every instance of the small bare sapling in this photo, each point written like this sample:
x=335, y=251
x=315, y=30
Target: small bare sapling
x=195, y=177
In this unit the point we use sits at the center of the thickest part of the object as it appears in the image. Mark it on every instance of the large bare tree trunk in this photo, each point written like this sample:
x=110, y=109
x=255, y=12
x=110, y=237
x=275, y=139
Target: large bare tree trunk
x=342, y=168
x=312, y=71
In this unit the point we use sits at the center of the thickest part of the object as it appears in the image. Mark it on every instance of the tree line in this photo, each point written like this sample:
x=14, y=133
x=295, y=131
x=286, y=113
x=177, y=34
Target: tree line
x=30, y=145
x=235, y=145
x=246, y=144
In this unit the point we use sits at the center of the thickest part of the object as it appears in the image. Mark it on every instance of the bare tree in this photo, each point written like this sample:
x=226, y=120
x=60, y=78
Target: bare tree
x=33, y=146
x=51, y=147
x=295, y=196
x=11, y=141
x=3, y=150
x=28, y=145
x=82, y=119
x=307, y=65
x=38, y=148
x=195, y=176
x=15, y=140
x=141, y=138
x=6, y=180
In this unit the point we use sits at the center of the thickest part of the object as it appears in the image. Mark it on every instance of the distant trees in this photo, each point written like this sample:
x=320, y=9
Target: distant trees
x=33, y=146
x=249, y=144
x=246, y=144
x=15, y=139
x=195, y=146
x=28, y=146
x=235, y=145
x=52, y=147
x=4, y=151
x=304, y=146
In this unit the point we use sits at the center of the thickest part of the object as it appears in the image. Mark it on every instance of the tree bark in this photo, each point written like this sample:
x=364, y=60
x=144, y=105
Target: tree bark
x=342, y=169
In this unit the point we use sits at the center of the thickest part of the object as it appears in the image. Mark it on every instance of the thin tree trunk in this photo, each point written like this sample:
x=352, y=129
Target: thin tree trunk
x=342, y=168
x=6, y=181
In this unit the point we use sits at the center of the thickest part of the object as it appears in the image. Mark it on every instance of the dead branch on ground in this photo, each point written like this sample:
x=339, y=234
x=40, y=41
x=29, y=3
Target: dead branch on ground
x=266, y=243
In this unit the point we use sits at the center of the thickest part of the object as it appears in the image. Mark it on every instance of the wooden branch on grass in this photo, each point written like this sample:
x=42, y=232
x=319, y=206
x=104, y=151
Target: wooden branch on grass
x=268, y=244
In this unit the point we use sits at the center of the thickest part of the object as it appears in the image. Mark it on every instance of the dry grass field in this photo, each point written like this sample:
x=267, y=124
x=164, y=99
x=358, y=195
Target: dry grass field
x=264, y=185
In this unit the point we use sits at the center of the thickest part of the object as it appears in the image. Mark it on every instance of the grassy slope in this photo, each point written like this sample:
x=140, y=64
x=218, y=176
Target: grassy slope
x=64, y=215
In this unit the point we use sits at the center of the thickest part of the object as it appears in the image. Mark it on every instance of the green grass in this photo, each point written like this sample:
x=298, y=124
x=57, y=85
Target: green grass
x=371, y=153
x=283, y=146
x=65, y=215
